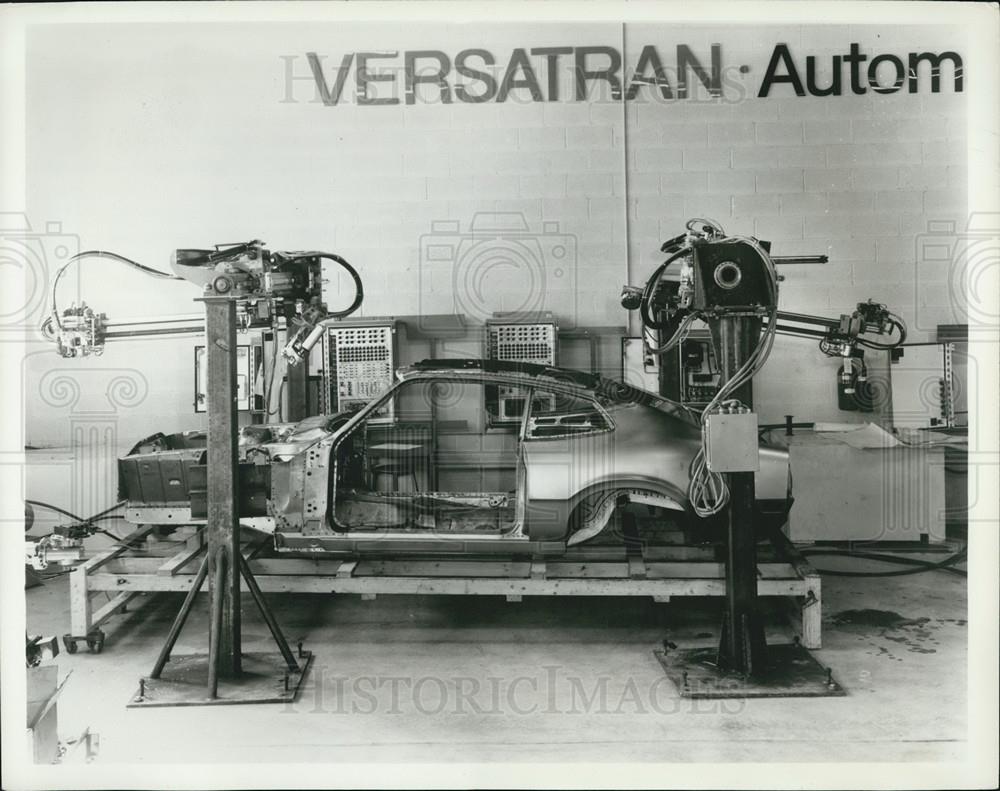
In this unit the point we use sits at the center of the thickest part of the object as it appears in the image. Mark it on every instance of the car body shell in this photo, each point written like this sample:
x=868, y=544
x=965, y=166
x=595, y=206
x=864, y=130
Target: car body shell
x=642, y=453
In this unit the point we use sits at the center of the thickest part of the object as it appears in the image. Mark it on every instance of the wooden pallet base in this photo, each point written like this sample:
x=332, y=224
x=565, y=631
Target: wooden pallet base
x=147, y=564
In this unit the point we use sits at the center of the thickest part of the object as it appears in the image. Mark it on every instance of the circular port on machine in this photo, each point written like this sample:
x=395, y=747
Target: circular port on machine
x=727, y=275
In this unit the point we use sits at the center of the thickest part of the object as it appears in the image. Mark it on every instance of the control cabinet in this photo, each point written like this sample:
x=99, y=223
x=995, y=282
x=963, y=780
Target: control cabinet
x=359, y=365
x=690, y=373
x=517, y=341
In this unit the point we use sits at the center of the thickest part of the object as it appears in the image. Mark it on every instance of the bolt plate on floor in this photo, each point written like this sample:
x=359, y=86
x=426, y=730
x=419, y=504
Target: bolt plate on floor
x=791, y=672
x=184, y=682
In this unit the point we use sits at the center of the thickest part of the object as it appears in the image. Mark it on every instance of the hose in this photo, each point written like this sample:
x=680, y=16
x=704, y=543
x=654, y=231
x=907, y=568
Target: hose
x=707, y=490
x=98, y=517
x=919, y=566
x=147, y=270
x=270, y=383
x=650, y=288
x=679, y=335
x=105, y=514
x=359, y=289
x=896, y=322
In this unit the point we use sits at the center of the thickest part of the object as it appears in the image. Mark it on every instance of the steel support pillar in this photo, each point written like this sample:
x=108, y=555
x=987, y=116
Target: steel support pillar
x=742, y=647
x=222, y=525
x=744, y=665
x=226, y=675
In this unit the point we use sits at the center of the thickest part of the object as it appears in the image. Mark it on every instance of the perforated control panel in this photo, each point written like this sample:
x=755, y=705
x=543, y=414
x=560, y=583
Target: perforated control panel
x=360, y=366
x=526, y=343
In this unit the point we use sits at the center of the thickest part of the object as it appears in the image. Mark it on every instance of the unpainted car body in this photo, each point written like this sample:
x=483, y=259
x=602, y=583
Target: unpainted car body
x=613, y=445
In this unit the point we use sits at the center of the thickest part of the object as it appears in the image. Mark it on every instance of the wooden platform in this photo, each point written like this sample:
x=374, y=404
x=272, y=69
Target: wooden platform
x=145, y=563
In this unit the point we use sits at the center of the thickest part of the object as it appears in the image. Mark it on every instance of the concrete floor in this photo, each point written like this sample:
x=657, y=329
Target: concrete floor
x=478, y=679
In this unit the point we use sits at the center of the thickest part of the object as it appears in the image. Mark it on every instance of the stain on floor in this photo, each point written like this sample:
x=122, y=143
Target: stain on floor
x=883, y=618
x=916, y=635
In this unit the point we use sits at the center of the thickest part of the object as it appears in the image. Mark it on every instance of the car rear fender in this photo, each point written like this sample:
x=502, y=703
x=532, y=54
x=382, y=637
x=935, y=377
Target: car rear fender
x=607, y=495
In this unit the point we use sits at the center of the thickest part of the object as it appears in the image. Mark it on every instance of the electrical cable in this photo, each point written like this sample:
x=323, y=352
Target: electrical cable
x=147, y=270
x=707, y=490
x=706, y=224
x=359, y=289
x=649, y=290
x=105, y=514
x=115, y=507
x=896, y=322
x=99, y=516
x=270, y=382
x=919, y=566
x=46, y=575
x=55, y=509
x=678, y=337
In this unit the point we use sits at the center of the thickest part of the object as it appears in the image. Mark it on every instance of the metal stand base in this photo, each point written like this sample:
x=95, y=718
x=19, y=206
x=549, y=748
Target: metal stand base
x=265, y=678
x=791, y=672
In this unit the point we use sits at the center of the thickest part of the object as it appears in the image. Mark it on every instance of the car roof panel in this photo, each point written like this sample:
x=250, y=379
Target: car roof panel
x=528, y=374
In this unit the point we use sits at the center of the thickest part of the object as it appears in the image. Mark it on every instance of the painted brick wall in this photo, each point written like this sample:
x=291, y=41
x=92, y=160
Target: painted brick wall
x=856, y=177
x=185, y=137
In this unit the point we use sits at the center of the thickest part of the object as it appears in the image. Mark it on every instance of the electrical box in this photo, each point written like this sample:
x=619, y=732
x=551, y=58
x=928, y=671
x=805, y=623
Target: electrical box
x=690, y=373
x=731, y=443
x=517, y=341
x=359, y=365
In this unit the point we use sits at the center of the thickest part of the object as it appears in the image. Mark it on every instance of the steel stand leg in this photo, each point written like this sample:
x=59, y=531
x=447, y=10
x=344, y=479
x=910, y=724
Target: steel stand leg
x=215, y=653
x=266, y=613
x=181, y=618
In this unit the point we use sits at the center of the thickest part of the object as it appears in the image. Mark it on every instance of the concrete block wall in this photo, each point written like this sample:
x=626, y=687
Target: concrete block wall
x=187, y=136
x=857, y=177
x=157, y=152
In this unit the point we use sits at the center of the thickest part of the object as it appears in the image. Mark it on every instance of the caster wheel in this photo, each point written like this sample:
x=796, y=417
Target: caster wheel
x=95, y=642
x=70, y=644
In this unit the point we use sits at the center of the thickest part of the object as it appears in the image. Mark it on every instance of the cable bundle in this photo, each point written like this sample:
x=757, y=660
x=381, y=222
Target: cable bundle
x=53, y=322
x=707, y=490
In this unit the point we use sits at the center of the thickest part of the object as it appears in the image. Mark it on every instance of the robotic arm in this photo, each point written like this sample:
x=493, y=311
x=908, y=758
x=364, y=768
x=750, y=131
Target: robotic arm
x=276, y=284
x=730, y=283
x=848, y=337
x=271, y=286
x=669, y=306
